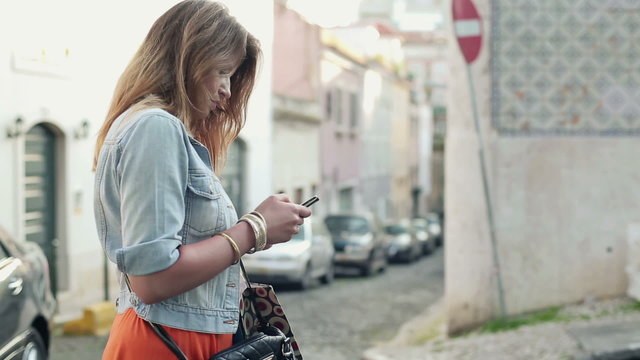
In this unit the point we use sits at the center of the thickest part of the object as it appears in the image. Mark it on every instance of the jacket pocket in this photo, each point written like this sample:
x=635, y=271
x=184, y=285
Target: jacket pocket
x=205, y=209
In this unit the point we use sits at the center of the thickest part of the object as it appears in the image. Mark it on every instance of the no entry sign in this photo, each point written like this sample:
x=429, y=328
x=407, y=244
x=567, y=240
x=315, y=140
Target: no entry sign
x=468, y=28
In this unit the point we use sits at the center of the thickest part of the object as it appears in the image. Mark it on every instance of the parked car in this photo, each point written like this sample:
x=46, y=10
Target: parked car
x=403, y=244
x=359, y=242
x=26, y=302
x=306, y=257
x=435, y=227
x=420, y=228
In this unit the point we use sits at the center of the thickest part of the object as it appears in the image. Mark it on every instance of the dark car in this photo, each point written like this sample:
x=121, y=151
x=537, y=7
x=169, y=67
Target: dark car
x=359, y=242
x=435, y=227
x=26, y=302
x=404, y=245
x=420, y=229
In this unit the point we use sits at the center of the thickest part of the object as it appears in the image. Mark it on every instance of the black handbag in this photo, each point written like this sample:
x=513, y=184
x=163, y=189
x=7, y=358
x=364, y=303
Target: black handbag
x=268, y=343
x=265, y=341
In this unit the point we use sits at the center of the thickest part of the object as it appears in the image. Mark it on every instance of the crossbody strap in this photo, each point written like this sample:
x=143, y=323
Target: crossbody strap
x=168, y=340
x=160, y=331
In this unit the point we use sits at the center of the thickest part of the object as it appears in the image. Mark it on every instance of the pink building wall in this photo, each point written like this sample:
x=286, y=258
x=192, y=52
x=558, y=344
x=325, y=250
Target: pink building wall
x=341, y=143
x=296, y=59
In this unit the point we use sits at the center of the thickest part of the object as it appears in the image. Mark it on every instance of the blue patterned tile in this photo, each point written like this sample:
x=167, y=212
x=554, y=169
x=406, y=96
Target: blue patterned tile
x=566, y=67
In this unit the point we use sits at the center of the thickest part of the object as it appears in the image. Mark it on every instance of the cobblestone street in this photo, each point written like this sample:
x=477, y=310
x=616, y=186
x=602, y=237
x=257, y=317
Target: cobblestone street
x=337, y=322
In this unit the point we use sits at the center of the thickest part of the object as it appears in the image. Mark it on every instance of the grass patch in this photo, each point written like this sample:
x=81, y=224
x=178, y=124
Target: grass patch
x=506, y=324
x=634, y=306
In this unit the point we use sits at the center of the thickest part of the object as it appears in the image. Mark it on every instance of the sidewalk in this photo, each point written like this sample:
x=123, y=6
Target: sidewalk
x=608, y=329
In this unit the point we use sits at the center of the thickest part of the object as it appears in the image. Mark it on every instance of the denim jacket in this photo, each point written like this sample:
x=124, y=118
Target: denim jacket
x=155, y=190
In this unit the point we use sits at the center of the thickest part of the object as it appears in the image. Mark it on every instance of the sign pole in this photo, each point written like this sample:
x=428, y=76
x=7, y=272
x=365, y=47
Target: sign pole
x=468, y=30
x=487, y=197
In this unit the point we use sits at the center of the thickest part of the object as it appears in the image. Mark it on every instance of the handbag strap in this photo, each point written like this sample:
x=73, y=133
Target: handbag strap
x=168, y=340
x=160, y=331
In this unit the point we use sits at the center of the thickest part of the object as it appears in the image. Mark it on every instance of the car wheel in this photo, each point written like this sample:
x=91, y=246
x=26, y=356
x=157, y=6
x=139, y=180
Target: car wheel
x=426, y=249
x=370, y=267
x=330, y=275
x=307, y=279
x=34, y=349
x=383, y=267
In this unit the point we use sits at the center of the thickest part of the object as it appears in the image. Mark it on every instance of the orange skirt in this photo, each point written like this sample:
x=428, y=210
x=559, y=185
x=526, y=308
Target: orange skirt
x=132, y=339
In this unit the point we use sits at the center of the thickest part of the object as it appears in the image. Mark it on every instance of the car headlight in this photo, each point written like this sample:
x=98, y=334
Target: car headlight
x=285, y=257
x=362, y=239
x=356, y=249
x=403, y=240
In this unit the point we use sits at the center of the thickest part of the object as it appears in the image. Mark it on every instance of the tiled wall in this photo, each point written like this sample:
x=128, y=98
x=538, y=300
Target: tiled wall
x=566, y=67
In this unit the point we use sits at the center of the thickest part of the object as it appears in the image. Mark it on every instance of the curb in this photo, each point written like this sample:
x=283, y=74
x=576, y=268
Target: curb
x=424, y=327
x=97, y=319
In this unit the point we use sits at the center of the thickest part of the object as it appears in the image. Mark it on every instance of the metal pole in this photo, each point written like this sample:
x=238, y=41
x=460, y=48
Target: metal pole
x=487, y=196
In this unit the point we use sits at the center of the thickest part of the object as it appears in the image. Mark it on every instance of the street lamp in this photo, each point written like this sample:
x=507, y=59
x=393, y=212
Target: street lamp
x=14, y=130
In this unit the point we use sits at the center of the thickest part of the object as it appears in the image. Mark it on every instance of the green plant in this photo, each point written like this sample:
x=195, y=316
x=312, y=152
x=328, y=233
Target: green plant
x=511, y=323
x=634, y=306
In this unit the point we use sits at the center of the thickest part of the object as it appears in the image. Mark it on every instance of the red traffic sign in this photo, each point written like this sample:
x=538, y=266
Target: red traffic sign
x=467, y=25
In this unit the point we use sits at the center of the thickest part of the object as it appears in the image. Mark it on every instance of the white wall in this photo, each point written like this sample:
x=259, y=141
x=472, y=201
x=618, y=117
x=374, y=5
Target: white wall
x=562, y=207
x=257, y=17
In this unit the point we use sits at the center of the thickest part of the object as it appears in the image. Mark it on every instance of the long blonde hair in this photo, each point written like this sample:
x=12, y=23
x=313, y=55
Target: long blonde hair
x=187, y=43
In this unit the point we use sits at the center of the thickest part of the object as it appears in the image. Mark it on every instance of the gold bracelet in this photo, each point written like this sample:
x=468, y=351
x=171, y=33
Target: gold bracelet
x=234, y=246
x=261, y=218
x=259, y=230
x=261, y=241
x=254, y=228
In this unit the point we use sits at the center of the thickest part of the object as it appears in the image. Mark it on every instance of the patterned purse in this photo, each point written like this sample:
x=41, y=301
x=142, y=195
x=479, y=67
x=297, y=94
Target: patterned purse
x=260, y=307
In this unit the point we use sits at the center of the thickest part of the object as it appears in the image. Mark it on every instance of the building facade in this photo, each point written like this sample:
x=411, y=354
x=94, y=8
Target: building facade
x=297, y=111
x=342, y=75
x=556, y=86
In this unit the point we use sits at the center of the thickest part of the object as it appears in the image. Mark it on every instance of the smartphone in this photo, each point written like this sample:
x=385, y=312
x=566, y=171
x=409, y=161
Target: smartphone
x=311, y=201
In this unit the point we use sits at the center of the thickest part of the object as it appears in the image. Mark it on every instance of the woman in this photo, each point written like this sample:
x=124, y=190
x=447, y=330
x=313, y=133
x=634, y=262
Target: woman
x=162, y=215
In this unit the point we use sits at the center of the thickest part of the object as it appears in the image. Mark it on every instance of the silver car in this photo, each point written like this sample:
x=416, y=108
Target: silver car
x=420, y=228
x=306, y=257
x=404, y=244
x=26, y=302
x=359, y=241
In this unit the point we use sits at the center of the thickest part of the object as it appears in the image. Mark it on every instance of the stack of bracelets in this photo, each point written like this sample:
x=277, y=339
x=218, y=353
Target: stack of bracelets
x=259, y=226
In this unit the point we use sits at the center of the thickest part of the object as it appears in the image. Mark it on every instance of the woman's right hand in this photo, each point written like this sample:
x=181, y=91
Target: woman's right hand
x=283, y=218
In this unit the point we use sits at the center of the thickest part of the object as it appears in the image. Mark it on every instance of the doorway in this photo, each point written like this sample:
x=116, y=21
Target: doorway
x=40, y=194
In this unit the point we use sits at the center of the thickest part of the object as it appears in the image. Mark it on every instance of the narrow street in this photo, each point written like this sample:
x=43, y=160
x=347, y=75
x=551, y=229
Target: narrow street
x=341, y=321
x=337, y=322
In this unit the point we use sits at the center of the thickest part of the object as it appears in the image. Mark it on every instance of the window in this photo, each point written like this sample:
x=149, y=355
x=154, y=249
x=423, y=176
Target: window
x=233, y=176
x=346, y=199
x=328, y=105
x=354, y=109
x=338, y=108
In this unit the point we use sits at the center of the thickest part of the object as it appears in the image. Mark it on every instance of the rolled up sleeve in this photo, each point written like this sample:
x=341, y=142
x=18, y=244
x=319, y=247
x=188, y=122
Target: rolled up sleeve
x=153, y=171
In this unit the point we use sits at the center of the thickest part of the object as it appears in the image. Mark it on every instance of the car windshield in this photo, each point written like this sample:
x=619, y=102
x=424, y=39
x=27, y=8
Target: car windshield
x=300, y=235
x=351, y=224
x=395, y=229
x=420, y=227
